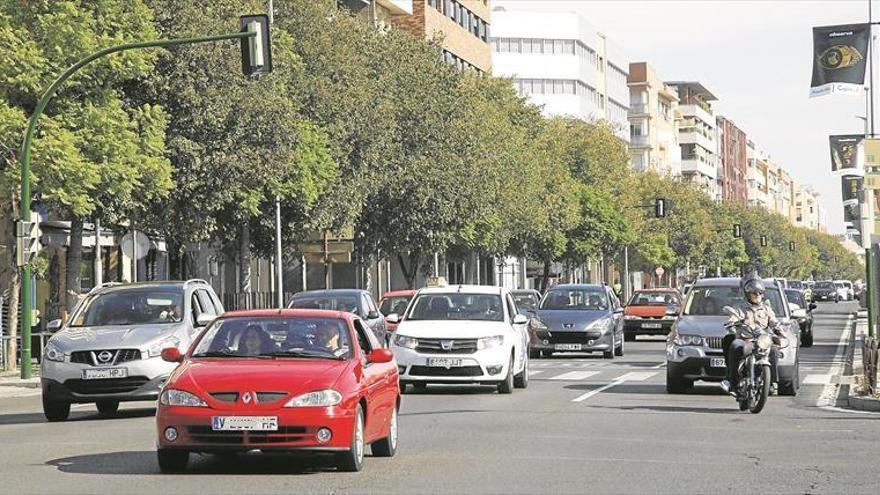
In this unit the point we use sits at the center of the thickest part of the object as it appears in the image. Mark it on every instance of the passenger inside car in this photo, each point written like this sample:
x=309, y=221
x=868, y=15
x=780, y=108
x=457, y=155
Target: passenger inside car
x=255, y=341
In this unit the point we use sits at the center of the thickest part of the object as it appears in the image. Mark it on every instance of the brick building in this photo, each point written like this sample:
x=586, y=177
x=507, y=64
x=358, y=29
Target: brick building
x=732, y=148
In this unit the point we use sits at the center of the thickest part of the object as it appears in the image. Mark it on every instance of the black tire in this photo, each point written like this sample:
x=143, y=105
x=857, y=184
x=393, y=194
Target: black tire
x=675, y=383
x=546, y=354
x=506, y=386
x=807, y=338
x=387, y=446
x=629, y=336
x=619, y=350
x=534, y=354
x=759, y=399
x=172, y=461
x=55, y=410
x=107, y=407
x=743, y=405
x=522, y=379
x=790, y=388
x=353, y=460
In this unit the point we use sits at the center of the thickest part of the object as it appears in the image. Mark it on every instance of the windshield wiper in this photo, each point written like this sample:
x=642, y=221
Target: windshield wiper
x=226, y=353
x=304, y=353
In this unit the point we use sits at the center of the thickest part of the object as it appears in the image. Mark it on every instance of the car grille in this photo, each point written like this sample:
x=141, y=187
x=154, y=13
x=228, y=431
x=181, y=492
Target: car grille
x=120, y=356
x=572, y=337
x=285, y=434
x=714, y=342
x=441, y=372
x=265, y=397
x=225, y=396
x=459, y=346
x=107, y=385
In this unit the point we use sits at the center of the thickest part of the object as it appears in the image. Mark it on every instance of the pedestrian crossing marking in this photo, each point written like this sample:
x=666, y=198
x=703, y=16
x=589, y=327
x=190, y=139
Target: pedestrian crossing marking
x=817, y=380
x=636, y=376
x=575, y=375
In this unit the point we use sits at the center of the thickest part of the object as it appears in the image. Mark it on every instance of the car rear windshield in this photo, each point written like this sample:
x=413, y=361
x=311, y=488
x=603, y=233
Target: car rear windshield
x=588, y=299
x=394, y=305
x=130, y=307
x=796, y=285
x=794, y=297
x=653, y=298
x=240, y=337
x=710, y=300
x=825, y=285
x=527, y=302
x=332, y=303
x=457, y=306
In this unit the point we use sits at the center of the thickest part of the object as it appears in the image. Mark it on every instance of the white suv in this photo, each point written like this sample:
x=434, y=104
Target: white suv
x=462, y=334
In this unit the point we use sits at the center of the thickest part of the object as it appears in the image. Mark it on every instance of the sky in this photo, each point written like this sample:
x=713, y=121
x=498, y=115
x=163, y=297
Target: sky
x=756, y=57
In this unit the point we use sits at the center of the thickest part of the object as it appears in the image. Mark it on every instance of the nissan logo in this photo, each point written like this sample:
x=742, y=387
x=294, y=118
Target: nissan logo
x=105, y=356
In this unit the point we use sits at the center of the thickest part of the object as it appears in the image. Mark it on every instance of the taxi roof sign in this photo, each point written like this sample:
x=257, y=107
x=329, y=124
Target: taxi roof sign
x=436, y=282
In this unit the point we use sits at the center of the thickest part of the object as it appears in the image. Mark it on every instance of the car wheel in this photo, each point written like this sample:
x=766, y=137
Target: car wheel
x=610, y=354
x=807, y=338
x=522, y=379
x=172, y=461
x=675, y=383
x=55, y=410
x=107, y=407
x=619, y=350
x=790, y=388
x=353, y=460
x=629, y=336
x=534, y=353
x=546, y=354
x=506, y=387
x=387, y=446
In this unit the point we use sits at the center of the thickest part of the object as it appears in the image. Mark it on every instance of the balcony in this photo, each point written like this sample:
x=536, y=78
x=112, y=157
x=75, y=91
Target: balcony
x=638, y=109
x=639, y=141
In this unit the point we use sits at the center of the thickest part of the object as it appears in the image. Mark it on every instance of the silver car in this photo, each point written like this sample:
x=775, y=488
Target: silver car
x=578, y=318
x=110, y=348
x=694, y=349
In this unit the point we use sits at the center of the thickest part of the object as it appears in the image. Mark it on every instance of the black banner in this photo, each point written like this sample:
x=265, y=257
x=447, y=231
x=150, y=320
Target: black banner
x=845, y=152
x=840, y=55
x=852, y=214
x=850, y=185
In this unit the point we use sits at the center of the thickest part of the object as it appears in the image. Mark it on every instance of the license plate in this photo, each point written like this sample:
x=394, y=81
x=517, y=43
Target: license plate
x=652, y=325
x=244, y=423
x=99, y=374
x=717, y=363
x=568, y=347
x=444, y=362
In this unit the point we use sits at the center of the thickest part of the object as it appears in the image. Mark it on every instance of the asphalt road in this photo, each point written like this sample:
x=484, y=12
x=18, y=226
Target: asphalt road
x=584, y=425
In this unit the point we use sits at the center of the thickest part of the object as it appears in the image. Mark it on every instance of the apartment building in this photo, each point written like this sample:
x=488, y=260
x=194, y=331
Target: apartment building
x=808, y=213
x=733, y=154
x=654, y=117
x=562, y=63
x=757, y=176
x=698, y=136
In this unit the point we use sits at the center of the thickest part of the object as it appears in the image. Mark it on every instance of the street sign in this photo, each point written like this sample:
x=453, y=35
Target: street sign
x=872, y=152
x=320, y=259
x=659, y=271
x=661, y=206
x=332, y=247
x=346, y=234
x=256, y=51
x=737, y=230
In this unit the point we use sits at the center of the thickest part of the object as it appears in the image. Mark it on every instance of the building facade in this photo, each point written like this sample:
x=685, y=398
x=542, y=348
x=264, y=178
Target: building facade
x=698, y=136
x=561, y=63
x=654, y=117
x=733, y=152
x=808, y=213
x=757, y=177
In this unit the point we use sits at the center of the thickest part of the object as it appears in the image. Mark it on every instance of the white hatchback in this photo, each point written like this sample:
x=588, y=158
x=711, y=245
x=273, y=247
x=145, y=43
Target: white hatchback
x=462, y=334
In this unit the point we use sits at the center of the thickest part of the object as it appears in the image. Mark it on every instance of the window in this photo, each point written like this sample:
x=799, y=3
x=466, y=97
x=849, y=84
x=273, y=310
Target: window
x=206, y=302
x=511, y=308
x=195, y=309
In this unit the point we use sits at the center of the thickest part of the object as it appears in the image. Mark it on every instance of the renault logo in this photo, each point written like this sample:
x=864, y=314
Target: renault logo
x=246, y=398
x=446, y=345
x=568, y=325
x=105, y=357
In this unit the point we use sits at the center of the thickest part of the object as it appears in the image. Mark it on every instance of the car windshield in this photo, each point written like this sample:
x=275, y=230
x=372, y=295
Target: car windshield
x=237, y=337
x=796, y=285
x=394, y=305
x=794, y=297
x=347, y=303
x=457, y=306
x=653, y=298
x=711, y=300
x=131, y=307
x=526, y=302
x=582, y=299
x=825, y=285
x=839, y=285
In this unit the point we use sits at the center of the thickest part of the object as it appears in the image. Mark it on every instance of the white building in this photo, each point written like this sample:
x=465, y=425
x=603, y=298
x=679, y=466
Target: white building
x=561, y=63
x=698, y=136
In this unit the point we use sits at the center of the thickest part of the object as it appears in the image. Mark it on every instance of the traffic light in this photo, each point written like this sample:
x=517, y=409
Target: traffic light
x=763, y=241
x=256, y=51
x=737, y=230
x=27, y=240
x=791, y=246
x=661, y=206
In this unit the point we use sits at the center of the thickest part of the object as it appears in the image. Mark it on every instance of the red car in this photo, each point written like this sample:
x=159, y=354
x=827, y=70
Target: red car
x=395, y=302
x=284, y=380
x=650, y=312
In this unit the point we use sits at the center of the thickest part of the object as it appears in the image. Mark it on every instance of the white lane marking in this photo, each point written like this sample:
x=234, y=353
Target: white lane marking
x=817, y=380
x=635, y=376
x=534, y=372
x=574, y=375
x=659, y=366
x=850, y=411
x=829, y=393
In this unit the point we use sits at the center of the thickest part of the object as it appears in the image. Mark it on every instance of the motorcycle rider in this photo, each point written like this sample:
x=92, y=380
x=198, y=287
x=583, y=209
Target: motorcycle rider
x=757, y=315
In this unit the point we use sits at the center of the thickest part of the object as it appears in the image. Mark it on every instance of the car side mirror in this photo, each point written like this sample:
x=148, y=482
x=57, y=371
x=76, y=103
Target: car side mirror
x=794, y=307
x=380, y=356
x=813, y=306
x=520, y=319
x=205, y=319
x=53, y=326
x=372, y=315
x=393, y=318
x=799, y=313
x=172, y=355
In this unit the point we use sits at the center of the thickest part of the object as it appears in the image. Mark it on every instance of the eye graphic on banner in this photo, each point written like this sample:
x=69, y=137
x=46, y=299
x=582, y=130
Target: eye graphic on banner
x=845, y=154
x=839, y=59
x=851, y=213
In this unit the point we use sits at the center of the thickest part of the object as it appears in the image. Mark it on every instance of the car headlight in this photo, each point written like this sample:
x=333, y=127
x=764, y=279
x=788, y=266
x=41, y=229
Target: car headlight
x=490, y=342
x=671, y=311
x=630, y=317
x=53, y=353
x=688, y=340
x=319, y=398
x=172, y=397
x=404, y=341
x=600, y=324
x=537, y=324
x=156, y=349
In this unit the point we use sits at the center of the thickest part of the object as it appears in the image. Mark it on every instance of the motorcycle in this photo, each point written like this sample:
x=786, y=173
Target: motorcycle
x=754, y=367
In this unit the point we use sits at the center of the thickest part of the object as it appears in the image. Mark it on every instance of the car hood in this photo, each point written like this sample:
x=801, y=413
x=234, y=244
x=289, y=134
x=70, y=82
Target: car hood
x=112, y=337
x=571, y=320
x=705, y=326
x=289, y=376
x=458, y=329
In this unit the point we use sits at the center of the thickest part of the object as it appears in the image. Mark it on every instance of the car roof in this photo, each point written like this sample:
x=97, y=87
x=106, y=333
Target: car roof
x=329, y=292
x=729, y=282
x=399, y=293
x=525, y=291
x=289, y=313
x=578, y=286
x=467, y=289
x=159, y=285
x=658, y=289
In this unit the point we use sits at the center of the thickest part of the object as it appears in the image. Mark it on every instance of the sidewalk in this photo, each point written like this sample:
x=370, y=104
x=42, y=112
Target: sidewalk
x=13, y=379
x=858, y=398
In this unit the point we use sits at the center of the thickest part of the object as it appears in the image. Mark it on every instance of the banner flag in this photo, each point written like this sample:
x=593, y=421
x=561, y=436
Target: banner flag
x=845, y=154
x=840, y=55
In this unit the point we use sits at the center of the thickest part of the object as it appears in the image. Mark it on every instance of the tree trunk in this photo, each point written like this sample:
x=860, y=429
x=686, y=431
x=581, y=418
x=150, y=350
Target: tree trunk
x=244, y=264
x=545, y=278
x=14, y=287
x=74, y=262
x=415, y=261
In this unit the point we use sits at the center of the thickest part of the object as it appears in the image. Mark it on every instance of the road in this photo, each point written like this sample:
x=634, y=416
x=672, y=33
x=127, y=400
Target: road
x=584, y=425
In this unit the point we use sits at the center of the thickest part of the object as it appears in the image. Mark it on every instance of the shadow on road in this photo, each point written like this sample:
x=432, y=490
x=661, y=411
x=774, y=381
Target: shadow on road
x=678, y=409
x=649, y=389
x=453, y=390
x=31, y=418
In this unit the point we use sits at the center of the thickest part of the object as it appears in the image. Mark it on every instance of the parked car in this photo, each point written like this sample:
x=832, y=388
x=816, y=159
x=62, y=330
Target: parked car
x=527, y=300
x=845, y=287
x=802, y=312
x=579, y=318
x=826, y=291
x=355, y=301
x=463, y=334
x=694, y=346
x=650, y=312
x=288, y=380
x=109, y=349
x=395, y=302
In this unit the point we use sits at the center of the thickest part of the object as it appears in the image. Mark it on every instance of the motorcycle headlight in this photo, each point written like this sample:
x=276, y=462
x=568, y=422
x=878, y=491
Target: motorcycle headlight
x=53, y=353
x=172, y=397
x=490, y=342
x=404, y=341
x=156, y=348
x=694, y=340
x=319, y=398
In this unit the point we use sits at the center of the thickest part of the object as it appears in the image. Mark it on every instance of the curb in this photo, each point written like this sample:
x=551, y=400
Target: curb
x=855, y=401
x=21, y=383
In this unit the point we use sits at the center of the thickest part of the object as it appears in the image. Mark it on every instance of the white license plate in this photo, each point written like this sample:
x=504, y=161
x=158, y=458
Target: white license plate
x=244, y=423
x=652, y=325
x=568, y=347
x=98, y=374
x=717, y=363
x=444, y=362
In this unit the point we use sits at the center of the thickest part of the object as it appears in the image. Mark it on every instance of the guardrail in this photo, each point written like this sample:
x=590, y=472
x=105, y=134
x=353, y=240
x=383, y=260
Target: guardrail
x=38, y=341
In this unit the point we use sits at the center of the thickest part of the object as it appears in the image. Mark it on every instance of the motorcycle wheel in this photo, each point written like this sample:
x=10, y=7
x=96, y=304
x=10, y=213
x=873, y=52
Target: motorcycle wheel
x=758, y=396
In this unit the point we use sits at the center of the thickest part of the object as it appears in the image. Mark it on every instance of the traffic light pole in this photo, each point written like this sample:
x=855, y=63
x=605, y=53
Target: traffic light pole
x=27, y=285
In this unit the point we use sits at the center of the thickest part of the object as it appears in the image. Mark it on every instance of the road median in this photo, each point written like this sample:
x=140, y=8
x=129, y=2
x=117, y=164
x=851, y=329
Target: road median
x=861, y=397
